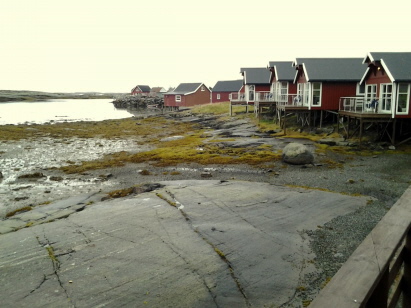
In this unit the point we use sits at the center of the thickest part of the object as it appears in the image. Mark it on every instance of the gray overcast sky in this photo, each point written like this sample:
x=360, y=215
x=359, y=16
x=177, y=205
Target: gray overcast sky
x=110, y=46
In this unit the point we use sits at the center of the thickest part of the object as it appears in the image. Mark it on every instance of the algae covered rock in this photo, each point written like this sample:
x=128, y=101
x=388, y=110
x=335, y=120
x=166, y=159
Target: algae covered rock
x=297, y=154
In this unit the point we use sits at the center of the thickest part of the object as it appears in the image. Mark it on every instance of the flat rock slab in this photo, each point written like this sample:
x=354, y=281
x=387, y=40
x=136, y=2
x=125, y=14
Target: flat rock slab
x=190, y=244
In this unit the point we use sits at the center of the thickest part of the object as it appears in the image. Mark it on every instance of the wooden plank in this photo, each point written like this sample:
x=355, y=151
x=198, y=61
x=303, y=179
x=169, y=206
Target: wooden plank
x=353, y=284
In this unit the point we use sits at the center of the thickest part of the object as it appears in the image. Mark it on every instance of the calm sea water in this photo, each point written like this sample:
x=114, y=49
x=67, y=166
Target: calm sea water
x=68, y=110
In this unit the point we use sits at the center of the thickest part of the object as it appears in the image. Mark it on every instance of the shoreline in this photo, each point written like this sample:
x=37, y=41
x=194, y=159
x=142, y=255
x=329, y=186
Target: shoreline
x=347, y=174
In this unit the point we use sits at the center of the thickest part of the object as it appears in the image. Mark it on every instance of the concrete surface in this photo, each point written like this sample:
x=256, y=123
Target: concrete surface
x=189, y=244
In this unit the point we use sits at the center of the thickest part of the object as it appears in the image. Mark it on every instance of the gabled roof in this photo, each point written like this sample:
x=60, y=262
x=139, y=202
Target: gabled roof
x=332, y=69
x=397, y=65
x=284, y=70
x=143, y=88
x=228, y=86
x=186, y=88
x=157, y=89
x=256, y=75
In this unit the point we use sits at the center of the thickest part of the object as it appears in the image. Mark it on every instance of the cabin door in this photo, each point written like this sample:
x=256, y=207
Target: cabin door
x=251, y=93
x=370, y=95
x=386, y=96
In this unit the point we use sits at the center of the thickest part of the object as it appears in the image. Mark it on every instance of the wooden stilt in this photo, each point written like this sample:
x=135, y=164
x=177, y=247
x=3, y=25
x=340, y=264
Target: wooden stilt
x=394, y=124
x=361, y=128
x=321, y=119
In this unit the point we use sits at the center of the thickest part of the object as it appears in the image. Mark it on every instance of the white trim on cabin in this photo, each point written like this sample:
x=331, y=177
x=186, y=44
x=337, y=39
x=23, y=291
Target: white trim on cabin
x=306, y=73
x=387, y=70
x=407, y=100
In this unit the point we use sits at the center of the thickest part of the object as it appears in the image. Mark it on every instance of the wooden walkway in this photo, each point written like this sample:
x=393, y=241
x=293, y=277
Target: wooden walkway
x=356, y=121
x=378, y=273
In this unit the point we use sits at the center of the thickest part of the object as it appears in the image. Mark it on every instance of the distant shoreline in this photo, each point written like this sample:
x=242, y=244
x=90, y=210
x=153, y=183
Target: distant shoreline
x=7, y=96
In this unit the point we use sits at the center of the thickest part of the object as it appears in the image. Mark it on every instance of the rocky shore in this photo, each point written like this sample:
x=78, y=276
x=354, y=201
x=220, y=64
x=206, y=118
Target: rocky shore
x=379, y=175
x=137, y=102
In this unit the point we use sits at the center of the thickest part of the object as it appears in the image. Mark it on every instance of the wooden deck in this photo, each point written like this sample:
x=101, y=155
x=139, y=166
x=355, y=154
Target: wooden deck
x=355, y=123
x=378, y=273
x=240, y=103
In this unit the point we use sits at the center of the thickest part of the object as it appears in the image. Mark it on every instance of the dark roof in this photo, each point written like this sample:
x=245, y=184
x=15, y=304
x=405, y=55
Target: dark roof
x=332, y=69
x=396, y=64
x=143, y=88
x=285, y=71
x=186, y=88
x=228, y=86
x=256, y=75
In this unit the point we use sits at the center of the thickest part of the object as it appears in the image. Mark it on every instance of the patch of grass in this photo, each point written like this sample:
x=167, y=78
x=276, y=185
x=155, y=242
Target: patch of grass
x=185, y=150
x=22, y=209
x=120, y=193
x=172, y=203
x=52, y=256
x=108, y=129
x=216, y=109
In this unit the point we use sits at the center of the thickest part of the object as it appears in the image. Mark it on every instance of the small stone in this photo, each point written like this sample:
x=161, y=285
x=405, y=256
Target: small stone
x=206, y=175
x=56, y=178
x=350, y=181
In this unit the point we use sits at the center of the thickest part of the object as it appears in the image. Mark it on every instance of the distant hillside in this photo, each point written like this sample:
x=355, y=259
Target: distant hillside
x=32, y=96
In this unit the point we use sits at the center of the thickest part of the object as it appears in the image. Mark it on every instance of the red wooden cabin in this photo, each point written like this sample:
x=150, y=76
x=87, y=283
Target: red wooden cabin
x=282, y=75
x=141, y=90
x=222, y=90
x=187, y=94
x=387, y=83
x=256, y=85
x=322, y=81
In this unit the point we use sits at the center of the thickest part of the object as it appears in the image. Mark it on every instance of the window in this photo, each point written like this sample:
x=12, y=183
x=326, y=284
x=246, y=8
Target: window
x=251, y=93
x=386, y=96
x=316, y=93
x=360, y=89
x=202, y=88
x=230, y=96
x=282, y=91
x=178, y=98
x=370, y=95
x=403, y=97
x=218, y=96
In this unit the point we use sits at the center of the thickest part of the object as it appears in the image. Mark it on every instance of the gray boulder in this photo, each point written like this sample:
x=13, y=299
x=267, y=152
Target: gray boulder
x=297, y=154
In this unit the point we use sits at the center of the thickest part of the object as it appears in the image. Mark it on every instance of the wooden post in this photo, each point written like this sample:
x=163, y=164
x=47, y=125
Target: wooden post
x=321, y=119
x=393, y=131
x=338, y=123
x=231, y=109
x=379, y=297
x=406, y=294
x=361, y=127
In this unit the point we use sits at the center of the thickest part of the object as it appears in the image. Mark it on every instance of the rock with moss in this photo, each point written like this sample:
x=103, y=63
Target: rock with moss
x=297, y=154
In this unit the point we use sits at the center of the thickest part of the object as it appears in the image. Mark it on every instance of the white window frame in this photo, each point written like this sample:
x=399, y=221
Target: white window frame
x=202, y=88
x=178, y=98
x=282, y=91
x=360, y=89
x=370, y=95
x=407, y=102
x=385, y=101
x=319, y=96
x=251, y=90
x=230, y=96
x=218, y=96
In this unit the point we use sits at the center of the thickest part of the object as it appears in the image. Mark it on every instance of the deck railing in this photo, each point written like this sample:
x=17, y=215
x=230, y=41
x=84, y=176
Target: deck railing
x=358, y=104
x=291, y=100
x=264, y=97
x=237, y=97
x=378, y=273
